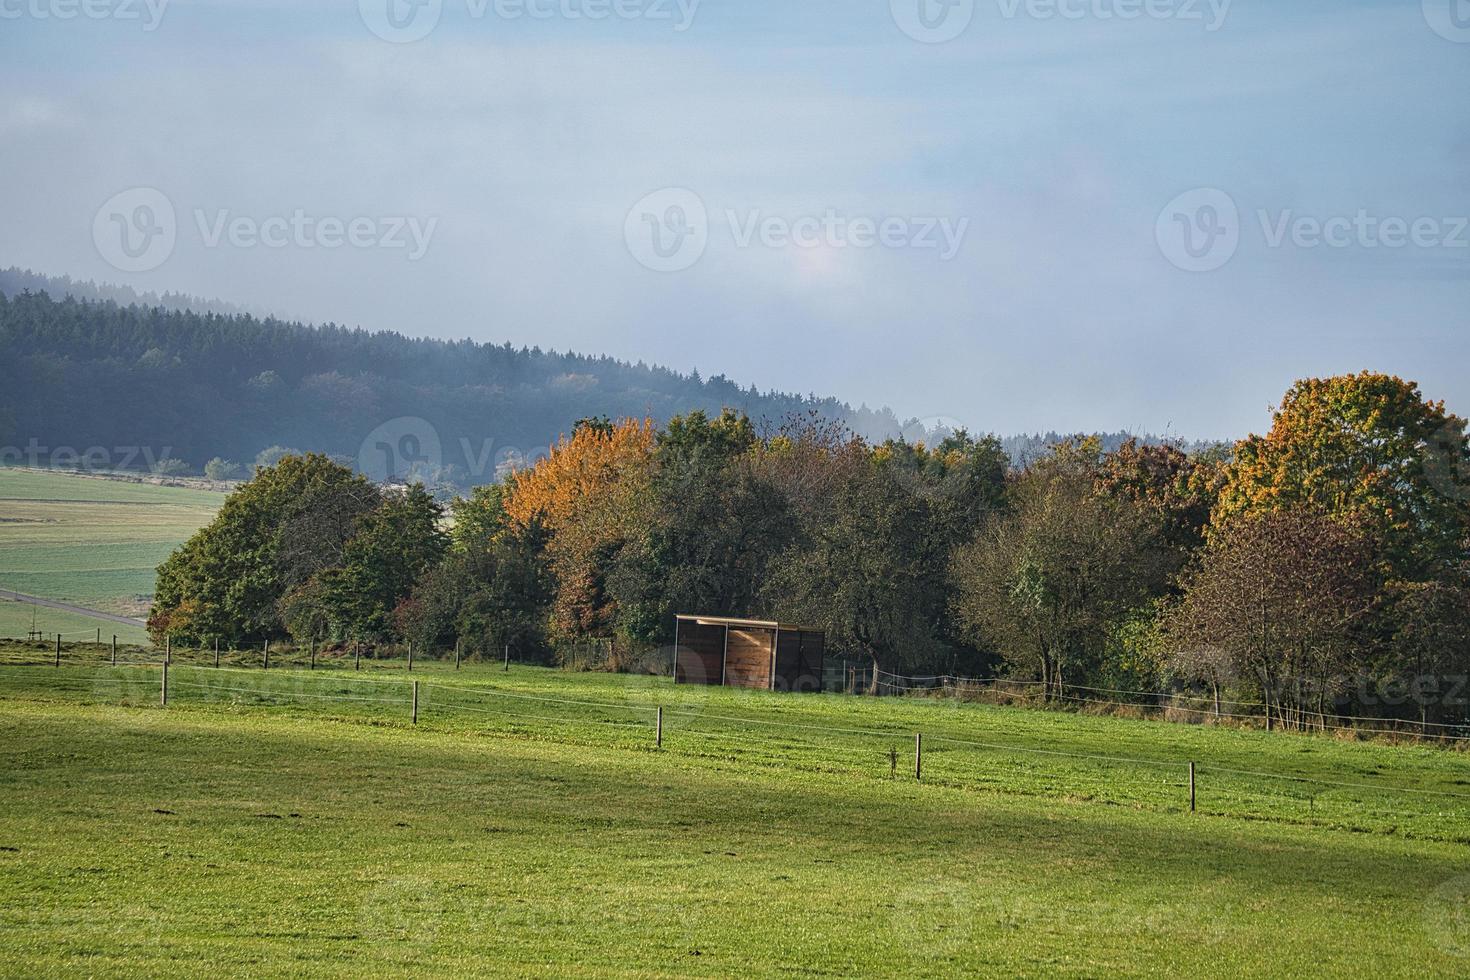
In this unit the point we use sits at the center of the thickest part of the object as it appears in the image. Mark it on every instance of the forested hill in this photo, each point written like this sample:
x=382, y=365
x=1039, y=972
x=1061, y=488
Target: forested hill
x=178, y=383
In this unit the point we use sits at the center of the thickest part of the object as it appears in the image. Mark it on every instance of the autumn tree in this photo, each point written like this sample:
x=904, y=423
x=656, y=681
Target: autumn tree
x=591, y=496
x=1366, y=447
x=1282, y=597
x=1049, y=581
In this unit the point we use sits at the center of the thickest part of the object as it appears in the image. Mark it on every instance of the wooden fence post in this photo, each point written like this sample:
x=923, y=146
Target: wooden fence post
x=216, y=651
x=1191, y=787
x=266, y=663
x=357, y=656
x=99, y=636
x=114, y=649
x=456, y=653
x=168, y=649
x=918, y=755
x=410, y=656
x=415, y=702
x=313, y=653
x=507, y=658
x=658, y=731
x=163, y=692
x=58, y=649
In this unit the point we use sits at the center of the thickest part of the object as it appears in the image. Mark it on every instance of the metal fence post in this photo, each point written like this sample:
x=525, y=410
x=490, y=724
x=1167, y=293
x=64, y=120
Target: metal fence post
x=918, y=755
x=658, y=732
x=1191, y=787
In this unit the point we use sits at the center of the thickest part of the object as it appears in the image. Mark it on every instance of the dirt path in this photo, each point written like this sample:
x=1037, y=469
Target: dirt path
x=68, y=607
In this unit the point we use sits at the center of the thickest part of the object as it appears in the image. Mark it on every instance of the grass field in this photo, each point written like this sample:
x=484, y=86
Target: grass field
x=527, y=824
x=89, y=541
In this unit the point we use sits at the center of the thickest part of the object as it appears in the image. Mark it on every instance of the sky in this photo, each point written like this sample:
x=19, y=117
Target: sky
x=1020, y=215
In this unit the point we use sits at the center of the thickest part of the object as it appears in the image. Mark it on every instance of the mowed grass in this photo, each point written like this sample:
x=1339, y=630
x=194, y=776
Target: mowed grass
x=255, y=826
x=90, y=541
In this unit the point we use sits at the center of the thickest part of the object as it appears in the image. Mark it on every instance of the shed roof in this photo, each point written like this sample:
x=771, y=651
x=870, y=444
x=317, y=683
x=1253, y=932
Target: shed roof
x=767, y=624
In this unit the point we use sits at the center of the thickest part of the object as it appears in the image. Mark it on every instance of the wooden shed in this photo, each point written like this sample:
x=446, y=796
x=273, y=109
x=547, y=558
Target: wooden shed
x=755, y=653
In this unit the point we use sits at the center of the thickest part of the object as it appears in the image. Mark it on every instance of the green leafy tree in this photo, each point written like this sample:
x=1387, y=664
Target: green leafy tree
x=391, y=547
x=226, y=581
x=219, y=469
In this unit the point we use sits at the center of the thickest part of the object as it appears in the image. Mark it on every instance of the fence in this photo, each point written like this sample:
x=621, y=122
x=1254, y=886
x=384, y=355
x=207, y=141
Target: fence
x=994, y=759
x=1171, y=705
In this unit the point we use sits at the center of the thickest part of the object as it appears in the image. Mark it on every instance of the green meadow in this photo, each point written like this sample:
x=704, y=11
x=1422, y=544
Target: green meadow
x=88, y=541
x=289, y=821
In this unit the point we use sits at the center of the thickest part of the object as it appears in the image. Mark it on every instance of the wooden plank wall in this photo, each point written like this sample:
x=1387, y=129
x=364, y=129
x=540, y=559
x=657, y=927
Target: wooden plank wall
x=748, y=658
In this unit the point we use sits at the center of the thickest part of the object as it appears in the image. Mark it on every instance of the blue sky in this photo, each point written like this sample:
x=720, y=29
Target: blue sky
x=1317, y=154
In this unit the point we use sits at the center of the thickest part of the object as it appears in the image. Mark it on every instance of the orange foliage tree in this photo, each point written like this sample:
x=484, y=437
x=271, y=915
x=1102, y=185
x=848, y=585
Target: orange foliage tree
x=1365, y=447
x=591, y=495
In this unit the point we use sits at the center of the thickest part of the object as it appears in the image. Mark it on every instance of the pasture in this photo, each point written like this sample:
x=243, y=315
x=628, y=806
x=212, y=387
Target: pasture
x=282, y=821
x=89, y=541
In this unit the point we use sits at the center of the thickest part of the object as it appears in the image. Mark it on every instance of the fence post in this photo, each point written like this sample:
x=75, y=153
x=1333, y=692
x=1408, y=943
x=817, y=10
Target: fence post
x=918, y=755
x=99, y=636
x=266, y=663
x=1191, y=787
x=216, y=651
x=163, y=693
x=357, y=656
x=507, y=658
x=114, y=649
x=168, y=649
x=456, y=653
x=313, y=653
x=415, y=702
x=410, y=656
x=658, y=731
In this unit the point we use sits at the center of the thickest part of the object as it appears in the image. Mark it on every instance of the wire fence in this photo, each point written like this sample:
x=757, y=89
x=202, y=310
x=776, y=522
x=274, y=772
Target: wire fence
x=1170, y=705
x=993, y=759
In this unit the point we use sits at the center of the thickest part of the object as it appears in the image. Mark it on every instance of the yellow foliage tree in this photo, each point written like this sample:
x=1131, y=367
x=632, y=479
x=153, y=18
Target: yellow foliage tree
x=591, y=494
